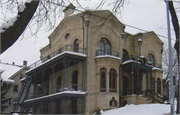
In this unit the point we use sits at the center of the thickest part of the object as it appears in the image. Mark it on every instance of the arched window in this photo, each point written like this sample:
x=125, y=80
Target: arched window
x=103, y=80
x=113, y=102
x=151, y=59
x=125, y=55
x=105, y=47
x=59, y=84
x=75, y=80
x=112, y=80
x=152, y=84
x=159, y=86
x=76, y=46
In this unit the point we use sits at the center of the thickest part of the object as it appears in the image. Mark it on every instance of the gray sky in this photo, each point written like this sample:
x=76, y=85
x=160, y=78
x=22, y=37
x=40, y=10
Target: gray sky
x=149, y=15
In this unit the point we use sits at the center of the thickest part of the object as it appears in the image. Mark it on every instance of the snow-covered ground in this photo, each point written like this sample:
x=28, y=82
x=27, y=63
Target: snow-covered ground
x=142, y=109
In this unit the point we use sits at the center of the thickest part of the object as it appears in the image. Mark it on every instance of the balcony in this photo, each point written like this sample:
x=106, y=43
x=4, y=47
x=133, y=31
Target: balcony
x=107, y=52
x=141, y=59
x=54, y=90
x=65, y=49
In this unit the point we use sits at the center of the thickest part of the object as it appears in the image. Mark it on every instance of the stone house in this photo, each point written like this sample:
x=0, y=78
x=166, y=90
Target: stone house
x=90, y=63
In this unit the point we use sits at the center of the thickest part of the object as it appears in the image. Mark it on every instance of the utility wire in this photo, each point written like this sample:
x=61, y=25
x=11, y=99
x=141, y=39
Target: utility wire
x=113, y=21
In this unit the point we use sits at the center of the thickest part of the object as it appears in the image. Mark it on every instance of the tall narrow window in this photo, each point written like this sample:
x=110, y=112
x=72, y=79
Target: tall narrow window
x=105, y=47
x=158, y=86
x=103, y=80
x=151, y=59
x=152, y=83
x=59, y=84
x=125, y=55
x=15, y=89
x=75, y=80
x=112, y=80
x=76, y=46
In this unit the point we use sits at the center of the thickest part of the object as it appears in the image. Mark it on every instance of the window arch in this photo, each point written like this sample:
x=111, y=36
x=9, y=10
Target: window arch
x=76, y=46
x=105, y=47
x=102, y=79
x=125, y=55
x=151, y=59
x=113, y=102
x=59, y=84
x=112, y=80
x=159, y=86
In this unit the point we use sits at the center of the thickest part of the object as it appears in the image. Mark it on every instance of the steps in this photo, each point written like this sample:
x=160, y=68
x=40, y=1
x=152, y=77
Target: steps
x=25, y=90
x=143, y=99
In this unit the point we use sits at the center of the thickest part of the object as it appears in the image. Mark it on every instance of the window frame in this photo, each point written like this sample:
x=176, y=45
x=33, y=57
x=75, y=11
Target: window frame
x=112, y=80
x=15, y=88
x=151, y=59
x=104, y=46
x=103, y=81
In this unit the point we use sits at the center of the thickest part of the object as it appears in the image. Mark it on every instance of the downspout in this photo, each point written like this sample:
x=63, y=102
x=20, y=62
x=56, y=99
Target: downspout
x=87, y=47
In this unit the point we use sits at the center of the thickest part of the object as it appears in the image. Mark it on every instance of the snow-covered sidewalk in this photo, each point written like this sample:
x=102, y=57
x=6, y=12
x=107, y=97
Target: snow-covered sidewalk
x=142, y=109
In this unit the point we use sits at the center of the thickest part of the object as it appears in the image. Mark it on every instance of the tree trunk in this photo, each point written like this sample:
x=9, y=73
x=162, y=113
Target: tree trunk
x=11, y=34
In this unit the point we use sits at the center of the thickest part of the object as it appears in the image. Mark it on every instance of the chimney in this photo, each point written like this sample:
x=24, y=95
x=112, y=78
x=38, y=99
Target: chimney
x=24, y=63
x=69, y=10
x=13, y=63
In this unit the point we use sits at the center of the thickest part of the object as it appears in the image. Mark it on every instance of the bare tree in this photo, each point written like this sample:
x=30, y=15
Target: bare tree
x=37, y=13
x=165, y=61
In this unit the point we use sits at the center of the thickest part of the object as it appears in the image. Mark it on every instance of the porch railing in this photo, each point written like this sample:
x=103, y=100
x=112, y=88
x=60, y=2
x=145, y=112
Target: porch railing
x=107, y=52
x=69, y=48
x=136, y=58
x=55, y=89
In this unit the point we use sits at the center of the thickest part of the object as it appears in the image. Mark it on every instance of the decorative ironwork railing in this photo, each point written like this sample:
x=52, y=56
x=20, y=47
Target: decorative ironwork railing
x=55, y=89
x=107, y=52
x=69, y=48
x=140, y=59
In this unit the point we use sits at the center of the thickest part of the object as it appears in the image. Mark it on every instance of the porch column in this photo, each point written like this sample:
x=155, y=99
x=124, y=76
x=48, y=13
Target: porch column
x=34, y=89
x=42, y=83
x=52, y=106
x=147, y=80
x=65, y=80
x=138, y=81
x=82, y=105
x=64, y=99
x=132, y=74
x=52, y=79
x=151, y=85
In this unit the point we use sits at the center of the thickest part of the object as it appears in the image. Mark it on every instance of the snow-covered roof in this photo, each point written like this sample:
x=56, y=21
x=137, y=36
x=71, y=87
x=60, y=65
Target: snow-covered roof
x=65, y=52
x=59, y=93
x=9, y=70
x=156, y=68
x=103, y=56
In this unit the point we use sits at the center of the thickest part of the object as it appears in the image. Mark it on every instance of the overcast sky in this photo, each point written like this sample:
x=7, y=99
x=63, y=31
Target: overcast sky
x=149, y=15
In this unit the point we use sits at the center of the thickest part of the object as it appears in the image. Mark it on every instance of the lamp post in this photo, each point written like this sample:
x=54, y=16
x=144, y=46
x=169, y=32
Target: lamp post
x=140, y=42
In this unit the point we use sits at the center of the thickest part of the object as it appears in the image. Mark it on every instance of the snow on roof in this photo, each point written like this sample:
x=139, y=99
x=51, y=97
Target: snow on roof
x=59, y=93
x=67, y=52
x=9, y=70
x=102, y=56
x=155, y=68
x=129, y=61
